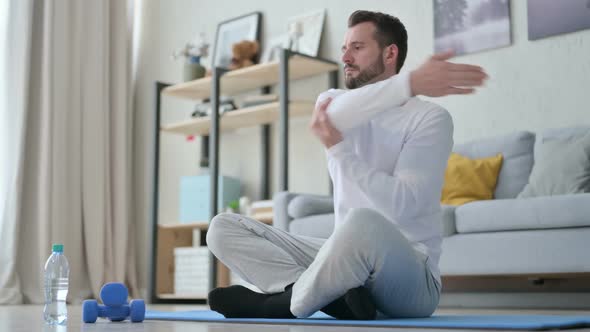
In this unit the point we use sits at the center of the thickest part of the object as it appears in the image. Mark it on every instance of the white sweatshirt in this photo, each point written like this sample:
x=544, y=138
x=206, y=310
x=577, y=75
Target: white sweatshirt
x=392, y=159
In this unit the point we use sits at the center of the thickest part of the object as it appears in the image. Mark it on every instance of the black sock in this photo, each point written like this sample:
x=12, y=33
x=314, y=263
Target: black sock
x=355, y=304
x=240, y=302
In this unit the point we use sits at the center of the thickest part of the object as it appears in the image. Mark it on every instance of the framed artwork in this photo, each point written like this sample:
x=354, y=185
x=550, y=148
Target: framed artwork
x=305, y=32
x=549, y=17
x=468, y=26
x=246, y=27
x=273, y=47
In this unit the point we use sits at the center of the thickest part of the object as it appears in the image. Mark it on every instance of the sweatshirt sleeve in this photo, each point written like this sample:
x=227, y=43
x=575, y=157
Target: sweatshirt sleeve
x=415, y=184
x=350, y=108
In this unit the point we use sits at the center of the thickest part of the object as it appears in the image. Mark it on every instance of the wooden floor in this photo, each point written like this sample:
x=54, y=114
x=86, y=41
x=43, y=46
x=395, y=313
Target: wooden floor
x=30, y=318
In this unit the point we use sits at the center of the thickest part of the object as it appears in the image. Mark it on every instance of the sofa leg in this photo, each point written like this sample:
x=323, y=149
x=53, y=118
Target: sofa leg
x=537, y=281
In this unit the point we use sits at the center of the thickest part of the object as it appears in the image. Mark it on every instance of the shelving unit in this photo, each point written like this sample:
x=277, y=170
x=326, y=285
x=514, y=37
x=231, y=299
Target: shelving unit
x=291, y=66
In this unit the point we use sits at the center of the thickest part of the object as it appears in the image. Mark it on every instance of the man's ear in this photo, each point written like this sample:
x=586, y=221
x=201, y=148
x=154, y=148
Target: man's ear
x=390, y=54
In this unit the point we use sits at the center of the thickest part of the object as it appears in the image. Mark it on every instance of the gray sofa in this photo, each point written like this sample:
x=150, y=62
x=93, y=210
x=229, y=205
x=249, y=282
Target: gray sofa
x=507, y=236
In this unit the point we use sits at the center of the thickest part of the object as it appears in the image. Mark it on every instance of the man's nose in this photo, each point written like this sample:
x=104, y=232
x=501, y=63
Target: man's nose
x=347, y=58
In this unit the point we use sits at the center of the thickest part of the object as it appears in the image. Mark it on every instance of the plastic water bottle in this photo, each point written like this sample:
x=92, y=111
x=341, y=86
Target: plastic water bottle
x=57, y=272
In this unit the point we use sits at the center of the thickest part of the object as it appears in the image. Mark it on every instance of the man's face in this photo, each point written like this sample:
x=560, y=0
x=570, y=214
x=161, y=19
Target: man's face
x=362, y=56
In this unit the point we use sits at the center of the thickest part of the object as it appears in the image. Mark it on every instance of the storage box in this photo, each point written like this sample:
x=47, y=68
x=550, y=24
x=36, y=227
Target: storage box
x=195, y=196
x=191, y=271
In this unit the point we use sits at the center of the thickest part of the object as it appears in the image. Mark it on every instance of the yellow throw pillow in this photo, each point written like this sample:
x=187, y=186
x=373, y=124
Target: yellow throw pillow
x=468, y=180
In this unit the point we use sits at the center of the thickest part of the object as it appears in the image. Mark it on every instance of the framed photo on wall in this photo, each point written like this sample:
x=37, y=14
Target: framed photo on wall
x=468, y=26
x=549, y=17
x=246, y=27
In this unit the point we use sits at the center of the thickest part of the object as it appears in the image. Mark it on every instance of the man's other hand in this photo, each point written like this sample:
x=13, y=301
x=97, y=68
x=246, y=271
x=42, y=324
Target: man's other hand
x=321, y=126
x=437, y=77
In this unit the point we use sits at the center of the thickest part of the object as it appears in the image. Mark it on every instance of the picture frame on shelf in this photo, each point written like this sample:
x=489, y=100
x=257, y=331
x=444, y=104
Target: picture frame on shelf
x=229, y=32
x=305, y=32
x=273, y=47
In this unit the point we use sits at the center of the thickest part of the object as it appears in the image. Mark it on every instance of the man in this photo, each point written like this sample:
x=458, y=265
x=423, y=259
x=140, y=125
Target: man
x=387, y=153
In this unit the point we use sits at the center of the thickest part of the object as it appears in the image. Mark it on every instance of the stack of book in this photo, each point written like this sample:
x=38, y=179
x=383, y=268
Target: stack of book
x=262, y=211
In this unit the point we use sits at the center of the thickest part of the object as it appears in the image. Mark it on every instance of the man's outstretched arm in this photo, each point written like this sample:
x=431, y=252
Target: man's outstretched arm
x=436, y=77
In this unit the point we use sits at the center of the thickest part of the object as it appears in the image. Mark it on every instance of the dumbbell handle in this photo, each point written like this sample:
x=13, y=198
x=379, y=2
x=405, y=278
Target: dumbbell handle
x=114, y=313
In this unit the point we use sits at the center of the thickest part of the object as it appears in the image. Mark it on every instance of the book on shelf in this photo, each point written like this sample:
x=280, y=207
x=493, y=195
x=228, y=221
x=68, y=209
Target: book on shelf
x=256, y=205
x=265, y=217
x=262, y=211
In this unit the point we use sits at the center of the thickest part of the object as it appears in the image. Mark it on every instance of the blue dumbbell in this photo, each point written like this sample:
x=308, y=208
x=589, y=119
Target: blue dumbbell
x=115, y=308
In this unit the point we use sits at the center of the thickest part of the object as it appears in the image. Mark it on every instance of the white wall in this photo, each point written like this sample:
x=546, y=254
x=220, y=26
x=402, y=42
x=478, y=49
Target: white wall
x=533, y=85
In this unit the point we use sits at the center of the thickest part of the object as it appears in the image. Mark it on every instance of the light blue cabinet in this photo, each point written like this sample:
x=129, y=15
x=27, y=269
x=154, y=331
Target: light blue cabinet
x=195, y=196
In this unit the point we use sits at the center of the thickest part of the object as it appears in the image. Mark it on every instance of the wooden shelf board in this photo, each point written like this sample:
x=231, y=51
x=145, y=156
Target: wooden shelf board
x=251, y=78
x=241, y=118
x=202, y=225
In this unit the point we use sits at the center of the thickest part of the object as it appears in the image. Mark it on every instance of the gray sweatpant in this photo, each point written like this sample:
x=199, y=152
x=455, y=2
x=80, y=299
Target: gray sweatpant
x=366, y=249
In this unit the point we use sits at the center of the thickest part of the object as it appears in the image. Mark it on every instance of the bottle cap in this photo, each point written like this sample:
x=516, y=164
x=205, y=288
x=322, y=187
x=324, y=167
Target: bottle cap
x=58, y=248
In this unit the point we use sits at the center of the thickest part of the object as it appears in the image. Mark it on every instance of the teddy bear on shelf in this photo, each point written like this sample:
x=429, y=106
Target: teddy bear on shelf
x=243, y=54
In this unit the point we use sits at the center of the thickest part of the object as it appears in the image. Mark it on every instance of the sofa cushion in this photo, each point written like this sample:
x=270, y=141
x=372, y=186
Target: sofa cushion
x=562, y=166
x=517, y=151
x=307, y=205
x=558, y=134
x=524, y=214
x=518, y=252
x=468, y=180
x=319, y=225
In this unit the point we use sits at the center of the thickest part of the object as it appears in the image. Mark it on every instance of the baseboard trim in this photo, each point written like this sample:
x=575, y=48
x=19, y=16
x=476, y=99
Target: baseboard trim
x=533, y=283
x=516, y=300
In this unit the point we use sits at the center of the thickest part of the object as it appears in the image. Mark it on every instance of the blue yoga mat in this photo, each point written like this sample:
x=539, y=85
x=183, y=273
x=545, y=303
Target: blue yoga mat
x=508, y=322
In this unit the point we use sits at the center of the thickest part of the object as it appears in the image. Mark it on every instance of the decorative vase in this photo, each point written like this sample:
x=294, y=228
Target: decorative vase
x=193, y=69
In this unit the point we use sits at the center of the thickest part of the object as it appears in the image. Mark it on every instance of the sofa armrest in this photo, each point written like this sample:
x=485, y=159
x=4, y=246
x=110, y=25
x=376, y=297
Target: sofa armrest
x=288, y=205
x=281, y=218
x=448, y=220
x=305, y=205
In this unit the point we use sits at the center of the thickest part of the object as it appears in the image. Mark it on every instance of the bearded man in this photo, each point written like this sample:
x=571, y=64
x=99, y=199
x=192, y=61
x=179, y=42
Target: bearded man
x=387, y=151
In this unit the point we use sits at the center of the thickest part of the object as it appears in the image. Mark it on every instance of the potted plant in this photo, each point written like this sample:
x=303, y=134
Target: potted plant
x=193, y=52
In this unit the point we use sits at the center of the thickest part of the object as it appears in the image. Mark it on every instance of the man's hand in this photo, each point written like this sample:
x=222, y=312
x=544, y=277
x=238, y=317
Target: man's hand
x=437, y=77
x=322, y=127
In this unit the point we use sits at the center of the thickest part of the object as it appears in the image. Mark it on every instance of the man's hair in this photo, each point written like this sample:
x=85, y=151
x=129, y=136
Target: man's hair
x=389, y=30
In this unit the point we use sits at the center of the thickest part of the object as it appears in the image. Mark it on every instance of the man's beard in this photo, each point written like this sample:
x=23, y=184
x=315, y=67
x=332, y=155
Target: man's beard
x=365, y=76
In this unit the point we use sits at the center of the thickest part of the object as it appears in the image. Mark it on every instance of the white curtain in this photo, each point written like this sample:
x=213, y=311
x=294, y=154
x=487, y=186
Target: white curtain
x=73, y=171
x=15, y=43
